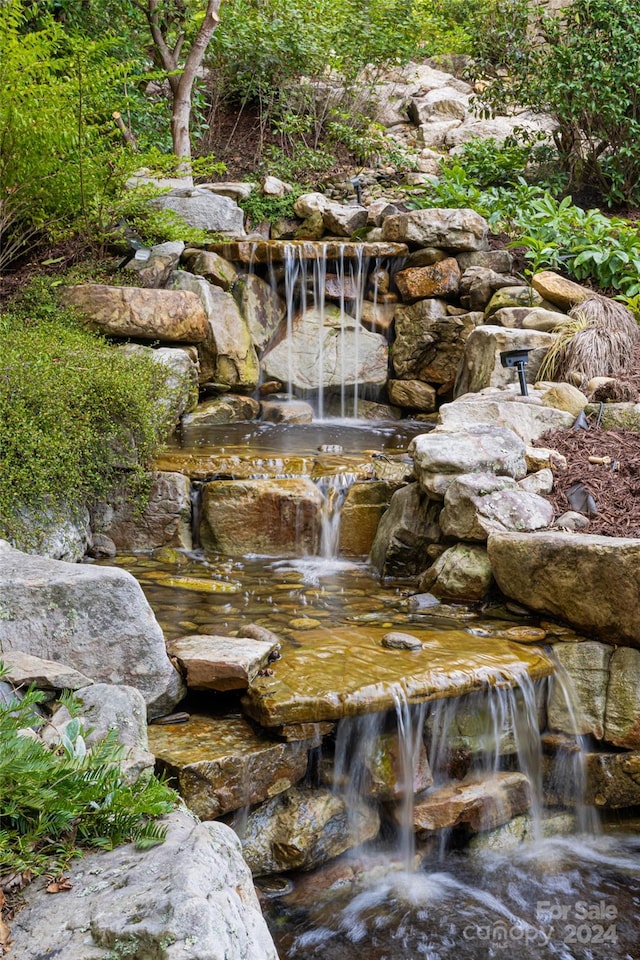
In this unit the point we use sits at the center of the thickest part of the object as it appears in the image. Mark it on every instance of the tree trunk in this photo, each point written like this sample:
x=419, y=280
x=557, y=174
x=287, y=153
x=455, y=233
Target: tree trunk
x=182, y=86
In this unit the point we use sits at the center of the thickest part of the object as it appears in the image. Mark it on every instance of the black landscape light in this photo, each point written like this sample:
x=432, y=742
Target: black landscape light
x=518, y=359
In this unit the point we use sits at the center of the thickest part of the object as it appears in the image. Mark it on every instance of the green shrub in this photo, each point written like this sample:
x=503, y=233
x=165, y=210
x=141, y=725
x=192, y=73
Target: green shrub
x=582, y=67
x=55, y=801
x=73, y=411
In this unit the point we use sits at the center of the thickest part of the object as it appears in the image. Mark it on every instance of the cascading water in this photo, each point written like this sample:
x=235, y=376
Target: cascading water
x=559, y=894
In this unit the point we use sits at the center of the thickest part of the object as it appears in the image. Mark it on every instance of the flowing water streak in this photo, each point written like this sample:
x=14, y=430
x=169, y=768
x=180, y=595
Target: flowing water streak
x=570, y=766
x=334, y=490
x=410, y=725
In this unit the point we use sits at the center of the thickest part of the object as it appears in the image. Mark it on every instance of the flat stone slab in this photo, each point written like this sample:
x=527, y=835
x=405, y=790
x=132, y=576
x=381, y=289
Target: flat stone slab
x=276, y=251
x=222, y=763
x=334, y=673
x=24, y=669
x=220, y=663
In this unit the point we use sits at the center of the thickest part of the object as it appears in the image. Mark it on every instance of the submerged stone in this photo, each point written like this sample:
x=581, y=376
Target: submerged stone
x=223, y=763
x=339, y=672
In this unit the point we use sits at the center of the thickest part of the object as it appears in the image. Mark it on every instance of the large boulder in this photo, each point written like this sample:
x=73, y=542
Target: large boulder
x=272, y=517
x=529, y=420
x=451, y=229
x=169, y=315
x=94, y=618
x=189, y=896
x=203, y=209
x=261, y=307
x=405, y=531
x=440, y=456
x=589, y=581
x=579, y=709
x=181, y=387
x=165, y=520
x=481, y=365
x=328, y=348
x=226, y=352
x=461, y=573
x=429, y=344
x=478, y=504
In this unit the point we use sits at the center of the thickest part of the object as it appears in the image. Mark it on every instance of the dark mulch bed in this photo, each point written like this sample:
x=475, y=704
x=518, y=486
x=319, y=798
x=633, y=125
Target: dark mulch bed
x=613, y=484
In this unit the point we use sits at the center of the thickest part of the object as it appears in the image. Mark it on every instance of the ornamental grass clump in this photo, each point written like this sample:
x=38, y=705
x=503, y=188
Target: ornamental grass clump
x=598, y=339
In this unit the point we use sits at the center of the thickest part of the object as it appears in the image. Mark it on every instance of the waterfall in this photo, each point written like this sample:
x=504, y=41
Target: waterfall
x=334, y=490
x=306, y=281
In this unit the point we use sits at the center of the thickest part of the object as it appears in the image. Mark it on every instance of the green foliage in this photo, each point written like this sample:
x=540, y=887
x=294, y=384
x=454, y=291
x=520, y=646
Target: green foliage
x=73, y=410
x=259, y=208
x=62, y=160
x=56, y=801
x=450, y=26
x=523, y=156
x=556, y=234
x=582, y=67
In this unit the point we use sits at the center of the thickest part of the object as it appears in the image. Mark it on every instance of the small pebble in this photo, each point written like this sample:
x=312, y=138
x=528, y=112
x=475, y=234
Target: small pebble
x=401, y=641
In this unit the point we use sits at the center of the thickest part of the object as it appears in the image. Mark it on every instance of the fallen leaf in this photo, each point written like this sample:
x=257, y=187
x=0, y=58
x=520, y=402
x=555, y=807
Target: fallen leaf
x=59, y=886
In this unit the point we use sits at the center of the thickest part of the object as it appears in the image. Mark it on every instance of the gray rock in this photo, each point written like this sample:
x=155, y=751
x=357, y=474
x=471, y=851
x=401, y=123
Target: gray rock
x=24, y=669
x=204, y=210
x=455, y=229
x=623, y=699
x=477, y=504
x=442, y=455
x=577, y=708
x=261, y=307
x=96, y=618
x=227, y=354
x=105, y=707
x=191, y=896
x=165, y=520
x=211, y=266
x=528, y=420
x=404, y=533
x=60, y=534
x=349, y=353
x=462, y=572
x=181, y=394
x=429, y=344
x=481, y=365
x=342, y=220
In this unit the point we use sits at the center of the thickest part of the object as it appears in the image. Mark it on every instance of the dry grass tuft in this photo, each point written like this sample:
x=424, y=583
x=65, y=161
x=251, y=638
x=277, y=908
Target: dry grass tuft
x=597, y=340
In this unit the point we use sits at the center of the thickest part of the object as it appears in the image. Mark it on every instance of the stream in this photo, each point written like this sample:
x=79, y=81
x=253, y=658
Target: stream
x=548, y=885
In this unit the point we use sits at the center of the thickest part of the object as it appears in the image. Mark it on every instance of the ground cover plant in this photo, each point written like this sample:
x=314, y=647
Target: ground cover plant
x=75, y=412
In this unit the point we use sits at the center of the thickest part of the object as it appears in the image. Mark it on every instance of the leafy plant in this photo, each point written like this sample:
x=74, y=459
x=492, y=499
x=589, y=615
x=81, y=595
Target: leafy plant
x=54, y=801
x=555, y=234
x=73, y=410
